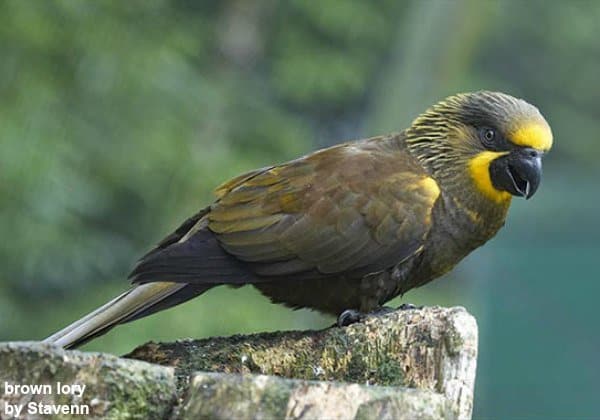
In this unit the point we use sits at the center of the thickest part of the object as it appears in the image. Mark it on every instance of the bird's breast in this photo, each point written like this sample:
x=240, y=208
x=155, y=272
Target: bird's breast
x=457, y=229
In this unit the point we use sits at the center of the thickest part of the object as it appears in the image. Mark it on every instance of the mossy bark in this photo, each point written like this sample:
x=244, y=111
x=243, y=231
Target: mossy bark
x=405, y=364
x=115, y=387
x=219, y=396
x=432, y=348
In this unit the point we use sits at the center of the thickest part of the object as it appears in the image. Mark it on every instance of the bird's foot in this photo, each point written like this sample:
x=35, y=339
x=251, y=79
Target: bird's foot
x=352, y=316
x=408, y=306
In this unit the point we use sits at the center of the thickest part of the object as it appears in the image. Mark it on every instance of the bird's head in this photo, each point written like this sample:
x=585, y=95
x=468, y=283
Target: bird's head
x=494, y=138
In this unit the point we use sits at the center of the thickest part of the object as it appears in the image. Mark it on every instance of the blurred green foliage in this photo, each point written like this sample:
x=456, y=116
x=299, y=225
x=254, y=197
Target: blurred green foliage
x=118, y=118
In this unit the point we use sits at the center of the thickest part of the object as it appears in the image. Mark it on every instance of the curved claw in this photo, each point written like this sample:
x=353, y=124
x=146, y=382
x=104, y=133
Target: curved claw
x=352, y=316
x=349, y=317
x=408, y=306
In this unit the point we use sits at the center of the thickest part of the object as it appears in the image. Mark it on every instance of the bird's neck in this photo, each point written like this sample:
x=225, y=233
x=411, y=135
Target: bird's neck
x=480, y=216
x=451, y=170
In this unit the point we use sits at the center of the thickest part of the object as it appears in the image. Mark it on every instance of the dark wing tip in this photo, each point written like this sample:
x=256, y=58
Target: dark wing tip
x=198, y=260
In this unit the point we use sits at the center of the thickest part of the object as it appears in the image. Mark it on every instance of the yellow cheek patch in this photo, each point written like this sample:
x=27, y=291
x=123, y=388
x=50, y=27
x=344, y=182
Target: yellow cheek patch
x=479, y=168
x=533, y=134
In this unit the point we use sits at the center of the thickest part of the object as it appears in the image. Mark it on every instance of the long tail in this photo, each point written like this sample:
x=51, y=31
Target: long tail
x=191, y=253
x=139, y=301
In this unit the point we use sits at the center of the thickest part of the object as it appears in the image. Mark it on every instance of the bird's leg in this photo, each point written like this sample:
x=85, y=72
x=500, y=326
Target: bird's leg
x=352, y=316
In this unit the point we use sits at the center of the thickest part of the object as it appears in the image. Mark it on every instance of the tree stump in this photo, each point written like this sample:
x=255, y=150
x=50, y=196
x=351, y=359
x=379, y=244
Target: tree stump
x=417, y=363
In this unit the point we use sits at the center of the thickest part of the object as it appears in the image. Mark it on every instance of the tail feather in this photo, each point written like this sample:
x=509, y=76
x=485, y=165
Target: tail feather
x=130, y=305
x=184, y=294
x=191, y=254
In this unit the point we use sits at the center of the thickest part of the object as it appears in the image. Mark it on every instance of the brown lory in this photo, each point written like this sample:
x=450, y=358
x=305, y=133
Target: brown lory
x=345, y=229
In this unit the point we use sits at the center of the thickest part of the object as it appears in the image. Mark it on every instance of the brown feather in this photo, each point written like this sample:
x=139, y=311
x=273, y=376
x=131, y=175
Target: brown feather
x=327, y=211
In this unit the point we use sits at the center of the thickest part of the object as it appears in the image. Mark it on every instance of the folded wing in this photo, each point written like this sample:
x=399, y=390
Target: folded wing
x=348, y=210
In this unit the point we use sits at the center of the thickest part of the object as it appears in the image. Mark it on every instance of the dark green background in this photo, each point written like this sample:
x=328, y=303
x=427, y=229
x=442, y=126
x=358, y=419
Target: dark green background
x=117, y=118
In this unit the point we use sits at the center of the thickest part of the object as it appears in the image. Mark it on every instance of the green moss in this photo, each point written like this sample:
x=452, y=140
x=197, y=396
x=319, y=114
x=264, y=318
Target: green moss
x=401, y=348
x=389, y=373
x=362, y=353
x=274, y=401
x=120, y=388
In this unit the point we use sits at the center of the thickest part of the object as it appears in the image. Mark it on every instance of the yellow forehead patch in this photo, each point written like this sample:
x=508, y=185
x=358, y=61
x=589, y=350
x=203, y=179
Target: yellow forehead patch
x=479, y=168
x=533, y=134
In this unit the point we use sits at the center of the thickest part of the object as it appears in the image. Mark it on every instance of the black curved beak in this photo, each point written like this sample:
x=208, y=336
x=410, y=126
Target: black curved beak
x=519, y=173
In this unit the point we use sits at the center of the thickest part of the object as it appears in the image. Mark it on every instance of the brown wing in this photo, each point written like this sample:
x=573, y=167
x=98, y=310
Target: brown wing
x=352, y=209
x=348, y=210
x=192, y=254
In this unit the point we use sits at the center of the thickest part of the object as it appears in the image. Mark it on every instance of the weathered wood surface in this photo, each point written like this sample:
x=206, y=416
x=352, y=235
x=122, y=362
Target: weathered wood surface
x=408, y=364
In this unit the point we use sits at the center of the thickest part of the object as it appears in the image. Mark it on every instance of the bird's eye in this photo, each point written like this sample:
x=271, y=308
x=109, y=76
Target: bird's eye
x=488, y=135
